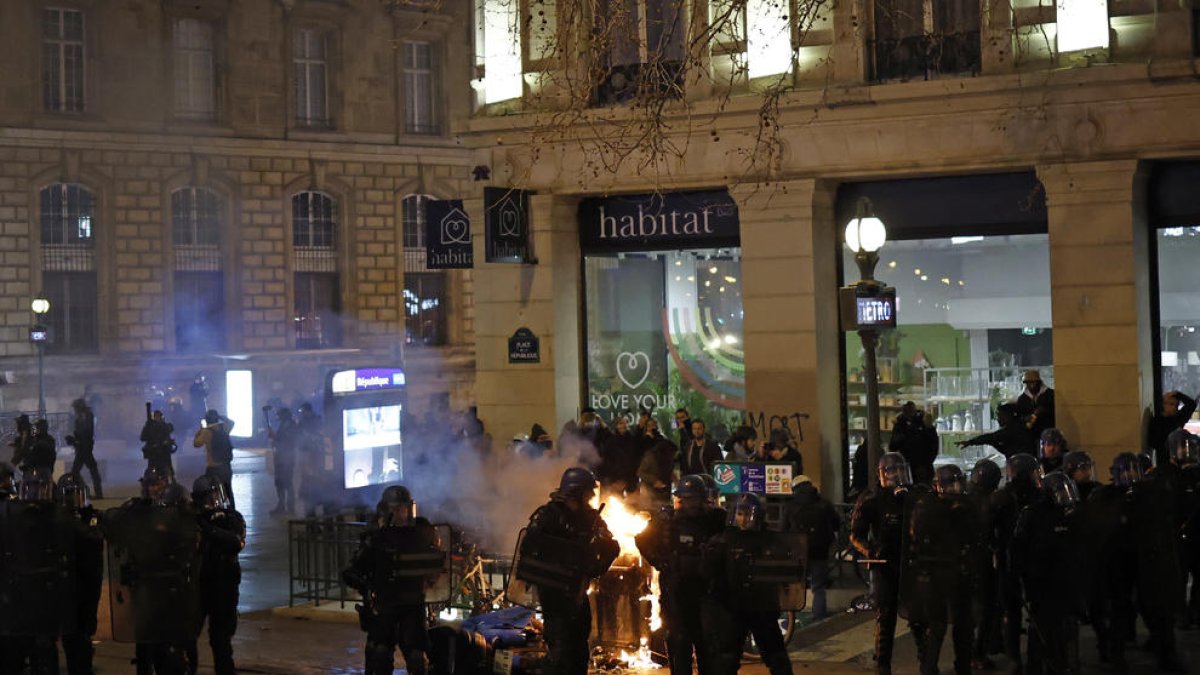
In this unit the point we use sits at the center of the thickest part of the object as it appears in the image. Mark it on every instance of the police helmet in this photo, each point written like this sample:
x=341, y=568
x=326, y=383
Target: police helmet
x=72, y=492
x=209, y=493
x=894, y=470
x=1077, y=460
x=8, y=480
x=985, y=475
x=712, y=492
x=577, y=483
x=37, y=486
x=1061, y=489
x=949, y=480
x=1024, y=467
x=748, y=512
x=1126, y=469
x=1184, y=447
x=690, y=493
x=152, y=478
x=395, y=497
x=1052, y=437
x=1148, y=461
x=174, y=495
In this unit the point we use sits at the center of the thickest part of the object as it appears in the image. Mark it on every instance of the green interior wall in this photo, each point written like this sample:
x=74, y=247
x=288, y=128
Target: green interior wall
x=943, y=345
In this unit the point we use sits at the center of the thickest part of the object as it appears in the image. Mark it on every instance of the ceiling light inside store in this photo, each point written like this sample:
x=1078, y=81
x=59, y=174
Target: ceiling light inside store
x=715, y=344
x=707, y=284
x=960, y=282
x=924, y=277
x=678, y=278
x=946, y=280
x=731, y=339
x=691, y=278
x=964, y=240
x=732, y=280
x=679, y=263
x=917, y=271
x=722, y=289
x=892, y=264
x=712, y=270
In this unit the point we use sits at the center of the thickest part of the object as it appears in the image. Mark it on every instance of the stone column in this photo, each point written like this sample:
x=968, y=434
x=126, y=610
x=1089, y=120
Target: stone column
x=542, y=297
x=1099, y=278
x=996, y=38
x=789, y=269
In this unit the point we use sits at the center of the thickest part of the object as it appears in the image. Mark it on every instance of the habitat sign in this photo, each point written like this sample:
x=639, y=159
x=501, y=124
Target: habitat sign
x=669, y=222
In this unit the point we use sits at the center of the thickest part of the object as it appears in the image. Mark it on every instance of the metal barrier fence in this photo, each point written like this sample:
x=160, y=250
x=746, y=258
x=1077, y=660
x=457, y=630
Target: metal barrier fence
x=318, y=551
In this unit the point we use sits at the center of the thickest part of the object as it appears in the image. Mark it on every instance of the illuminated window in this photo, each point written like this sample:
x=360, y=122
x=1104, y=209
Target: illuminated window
x=66, y=215
x=424, y=308
x=498, y=42
x=63, y=60
x=1082, y=24
x=768, y=37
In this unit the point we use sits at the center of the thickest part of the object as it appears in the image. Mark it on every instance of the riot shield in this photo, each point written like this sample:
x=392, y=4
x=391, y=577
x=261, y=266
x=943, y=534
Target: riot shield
x=37, y=570
x=438, y=589
x=768, y=570
x=408, y=561
x=545, y=563
x=929, y=564
x=153, y=573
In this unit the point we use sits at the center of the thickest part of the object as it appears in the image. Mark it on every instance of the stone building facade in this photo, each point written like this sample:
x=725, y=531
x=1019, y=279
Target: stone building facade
x=1090, y=126
x=201, y=185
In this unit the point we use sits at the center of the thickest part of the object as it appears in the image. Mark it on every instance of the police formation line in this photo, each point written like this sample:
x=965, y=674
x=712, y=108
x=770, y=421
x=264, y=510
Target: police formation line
x=172, y=564
x=1016, y=569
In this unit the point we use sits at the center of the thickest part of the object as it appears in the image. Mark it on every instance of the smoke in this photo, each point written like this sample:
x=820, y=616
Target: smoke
x=490, y=494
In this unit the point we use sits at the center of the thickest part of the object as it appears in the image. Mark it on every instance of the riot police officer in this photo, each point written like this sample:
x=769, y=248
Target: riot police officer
x=1186, y=455
x=673, y=543
x=1052, y=446
x=1045, y=552
x=568, y=519
x=42, y=452
x=877, y=532
x=89, y=573
x=222, y=537
x=985, y=478
x=1023, y=487
x=392, y=568
x=1077, y=465
x=939, y=569
x=739, y=601
x=157, y=443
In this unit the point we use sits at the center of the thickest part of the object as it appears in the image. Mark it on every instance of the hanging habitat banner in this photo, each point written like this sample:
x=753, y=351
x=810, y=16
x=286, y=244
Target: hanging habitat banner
x=506, y=225
x=447, y=236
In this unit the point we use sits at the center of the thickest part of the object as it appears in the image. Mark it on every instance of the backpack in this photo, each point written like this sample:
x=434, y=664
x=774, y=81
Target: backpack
x=221, y=447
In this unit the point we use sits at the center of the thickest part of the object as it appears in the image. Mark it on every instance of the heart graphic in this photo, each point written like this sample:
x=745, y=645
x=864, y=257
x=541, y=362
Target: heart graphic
x=455, y=230
x=627, y=368
x=509, y=224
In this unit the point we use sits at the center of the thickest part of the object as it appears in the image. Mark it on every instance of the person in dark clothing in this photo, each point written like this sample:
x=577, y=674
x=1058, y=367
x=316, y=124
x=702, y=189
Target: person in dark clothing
x=1012, y=438
x=1177, y=408
x=739, y=603
x=985, y=479
x=619, y=460
x=781, y=448
x=1023, y=487
x=1052, y=446
x=83, y=437
x=916, y=440
x=683, y=425
x=877, y=531
x=811, y=514
x=197, y=401
x=1185, y=456
x=1035, y=405
x=391, y=569
x=222, y=538
x=858, y=482
x=655, y=470
x=567, y=616
x=89, y=574
x=24, y=438
x=700, y=453
x=43, y=450
x=285, y=438
x=1046, y=553
x=742, y=446
x=673, y=544
x=157, y=443
x=1077, y=465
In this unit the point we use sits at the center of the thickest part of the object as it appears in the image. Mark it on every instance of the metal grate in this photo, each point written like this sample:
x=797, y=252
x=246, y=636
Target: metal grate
x=318, y=551
x=314, y=220
x=67, y=228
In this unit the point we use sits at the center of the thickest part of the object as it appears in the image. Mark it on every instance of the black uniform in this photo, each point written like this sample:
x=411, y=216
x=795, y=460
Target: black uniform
x=877, y=531
x=918, y=443
x=222, y=537
x=1007, y=503
x=988, y=638
x=89, y=579
x=286, y=439
x=1157, y=546
x=391, y=570
x=568, y=616
x=84, y=439
x=673, y=545
x=158, y=446
x=41, y=454
x=1188, y=511
x=937, y=584
x=738, y=603
x=1045, y=553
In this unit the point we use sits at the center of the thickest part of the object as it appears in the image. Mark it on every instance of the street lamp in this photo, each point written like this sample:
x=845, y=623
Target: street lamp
x=865, y=235
x=38, y=335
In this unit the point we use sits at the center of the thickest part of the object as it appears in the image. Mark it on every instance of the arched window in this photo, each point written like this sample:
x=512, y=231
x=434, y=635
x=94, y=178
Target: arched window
x=199, y=298
x=317, y=309
x=424, y=289
x=67, y=214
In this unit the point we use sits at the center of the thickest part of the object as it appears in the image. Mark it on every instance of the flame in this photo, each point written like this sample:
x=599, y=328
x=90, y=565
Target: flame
x=640, y=659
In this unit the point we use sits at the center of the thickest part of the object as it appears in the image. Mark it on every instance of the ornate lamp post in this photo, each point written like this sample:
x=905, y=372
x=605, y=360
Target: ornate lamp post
x=40, y=307
x=865, y=235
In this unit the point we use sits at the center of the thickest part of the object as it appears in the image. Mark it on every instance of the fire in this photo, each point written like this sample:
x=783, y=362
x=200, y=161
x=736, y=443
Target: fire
x=625, y=524
x=640, y=659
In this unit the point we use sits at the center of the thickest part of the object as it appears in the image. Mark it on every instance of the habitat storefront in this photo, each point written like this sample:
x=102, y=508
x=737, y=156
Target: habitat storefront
x=663, y=306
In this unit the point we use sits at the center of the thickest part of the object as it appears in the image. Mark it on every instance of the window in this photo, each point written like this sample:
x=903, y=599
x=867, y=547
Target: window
x=420, y=94
x=316, y=311
x=313, y=216
x=66, y=215
x=498, y=44
x=195, y=83
x=643, y=45
x=196, y=217
x=63, y=60
x=412, y=217
x=72, y=316
x=310, y=62
x=424, y=308
x=919, y=40
x=199, y=311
